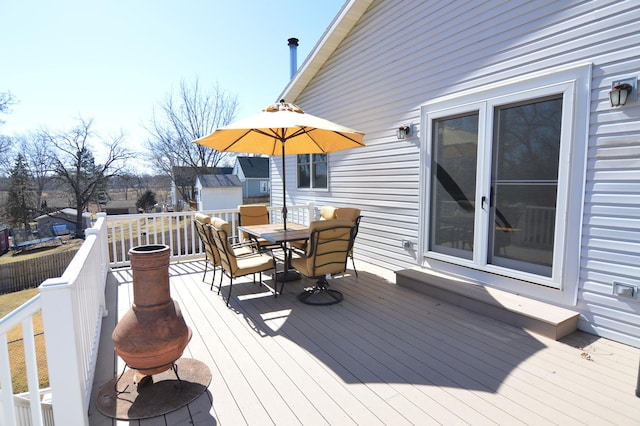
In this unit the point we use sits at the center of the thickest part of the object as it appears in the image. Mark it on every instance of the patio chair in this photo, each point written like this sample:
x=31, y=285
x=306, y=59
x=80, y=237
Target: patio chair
x=255, y=215
x=206, y=238
x=327, y=254
x=353, y=215
x=327, y=212
x=234, y=259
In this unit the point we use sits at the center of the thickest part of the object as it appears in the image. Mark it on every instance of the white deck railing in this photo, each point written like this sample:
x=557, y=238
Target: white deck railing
x=73, y=306
x=178, y=231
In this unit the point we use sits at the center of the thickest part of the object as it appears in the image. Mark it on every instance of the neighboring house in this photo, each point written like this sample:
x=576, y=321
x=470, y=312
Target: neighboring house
x=253, y=172
x=61, y=222
x=114, y=207
x=218, y=192
x=183, y=183
x=516, y=171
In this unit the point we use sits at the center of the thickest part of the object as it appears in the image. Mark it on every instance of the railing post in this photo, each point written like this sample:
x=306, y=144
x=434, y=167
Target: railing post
x=312, y=211
x=65, y=378
x=8, y=409
x=100, y=231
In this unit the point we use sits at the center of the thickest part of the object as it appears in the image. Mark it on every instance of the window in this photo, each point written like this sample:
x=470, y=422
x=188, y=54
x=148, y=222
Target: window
x=312, y=171
x=502, y=173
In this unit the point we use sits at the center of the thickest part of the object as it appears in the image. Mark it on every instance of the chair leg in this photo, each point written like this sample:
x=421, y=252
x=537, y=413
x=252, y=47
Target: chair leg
x=353, y=262
x=320, y=294
x=230, y=285
x=220, y=283
x=213, y=279
x=206, y=264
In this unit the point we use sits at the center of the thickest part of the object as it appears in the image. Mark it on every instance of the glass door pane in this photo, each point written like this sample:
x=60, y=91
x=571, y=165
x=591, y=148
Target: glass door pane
x=453, y=188
x=524, y=184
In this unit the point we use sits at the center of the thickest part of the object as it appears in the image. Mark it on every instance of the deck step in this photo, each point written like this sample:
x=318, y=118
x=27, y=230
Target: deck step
x=539, y=317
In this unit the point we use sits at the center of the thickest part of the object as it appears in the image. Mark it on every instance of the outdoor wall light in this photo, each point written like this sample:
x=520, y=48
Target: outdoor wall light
x=403, y=132
x=619, y=94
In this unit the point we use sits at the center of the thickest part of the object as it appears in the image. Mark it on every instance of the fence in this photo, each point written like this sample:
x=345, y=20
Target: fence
x=23, y=274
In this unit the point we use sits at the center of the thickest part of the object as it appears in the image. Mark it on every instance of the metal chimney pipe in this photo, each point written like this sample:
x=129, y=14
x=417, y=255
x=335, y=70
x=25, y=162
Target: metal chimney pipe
x=293, y=56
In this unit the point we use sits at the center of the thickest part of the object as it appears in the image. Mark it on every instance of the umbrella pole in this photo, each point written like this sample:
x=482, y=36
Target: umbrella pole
x=284, y=190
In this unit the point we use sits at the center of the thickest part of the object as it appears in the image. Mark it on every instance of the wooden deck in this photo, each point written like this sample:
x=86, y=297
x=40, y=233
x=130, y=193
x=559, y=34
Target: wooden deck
x=385, y=355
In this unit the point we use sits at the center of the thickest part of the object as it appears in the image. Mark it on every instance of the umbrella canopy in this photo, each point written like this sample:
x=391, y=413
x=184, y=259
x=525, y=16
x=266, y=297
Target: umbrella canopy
x=283, y=129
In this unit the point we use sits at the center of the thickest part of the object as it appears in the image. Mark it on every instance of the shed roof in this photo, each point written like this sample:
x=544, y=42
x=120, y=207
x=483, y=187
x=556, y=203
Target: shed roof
x=186, y=176
x=219, y=181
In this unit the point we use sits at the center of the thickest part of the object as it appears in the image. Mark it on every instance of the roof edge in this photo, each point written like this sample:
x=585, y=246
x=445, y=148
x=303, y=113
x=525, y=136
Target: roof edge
x=345, y=20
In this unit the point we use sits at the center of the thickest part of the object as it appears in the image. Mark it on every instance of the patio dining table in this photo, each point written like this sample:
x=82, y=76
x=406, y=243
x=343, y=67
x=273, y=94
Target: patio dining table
x=277, y=234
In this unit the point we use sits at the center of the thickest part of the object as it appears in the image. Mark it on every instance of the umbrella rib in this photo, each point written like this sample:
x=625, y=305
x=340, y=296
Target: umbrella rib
x=239, y=138
x=310, y=134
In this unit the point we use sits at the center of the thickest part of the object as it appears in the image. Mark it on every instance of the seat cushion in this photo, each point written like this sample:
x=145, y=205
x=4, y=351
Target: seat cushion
x=257, y=262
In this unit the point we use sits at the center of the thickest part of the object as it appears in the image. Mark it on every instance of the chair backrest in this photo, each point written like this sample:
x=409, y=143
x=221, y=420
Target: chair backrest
x=350, y=213
x=220, y=231
x=201, y=221
x=327, y=212
x=253, y=215
x=329, y=246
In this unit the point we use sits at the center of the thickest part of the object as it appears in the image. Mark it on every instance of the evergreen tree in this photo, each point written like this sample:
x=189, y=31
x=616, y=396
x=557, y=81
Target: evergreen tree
x=20, y=198
x=146, y=200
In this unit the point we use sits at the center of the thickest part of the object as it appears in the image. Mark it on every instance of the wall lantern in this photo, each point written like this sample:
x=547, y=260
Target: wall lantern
x=623, y=91
x=403, y=132
x=619, y=94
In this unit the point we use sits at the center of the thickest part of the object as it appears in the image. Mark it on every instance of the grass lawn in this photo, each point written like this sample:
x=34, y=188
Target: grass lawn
x=72, y=244
x=9, y=302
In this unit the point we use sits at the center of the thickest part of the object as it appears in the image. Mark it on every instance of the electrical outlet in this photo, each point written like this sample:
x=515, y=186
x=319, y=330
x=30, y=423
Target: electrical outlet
x=407, y=244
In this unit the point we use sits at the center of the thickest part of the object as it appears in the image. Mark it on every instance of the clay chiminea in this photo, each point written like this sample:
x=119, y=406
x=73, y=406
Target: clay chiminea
x=153, y=333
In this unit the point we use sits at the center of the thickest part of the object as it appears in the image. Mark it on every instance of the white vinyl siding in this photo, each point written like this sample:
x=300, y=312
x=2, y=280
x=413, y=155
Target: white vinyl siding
x=401, y=55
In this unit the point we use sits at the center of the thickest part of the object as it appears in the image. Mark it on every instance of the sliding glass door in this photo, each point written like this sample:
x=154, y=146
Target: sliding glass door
x=524, y=185
x=453, y=203
x=494, y=184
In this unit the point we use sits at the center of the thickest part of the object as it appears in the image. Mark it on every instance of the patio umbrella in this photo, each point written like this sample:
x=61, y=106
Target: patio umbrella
x=283, y=129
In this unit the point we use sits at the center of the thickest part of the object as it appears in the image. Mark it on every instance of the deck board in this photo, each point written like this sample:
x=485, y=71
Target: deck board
x=386, y=355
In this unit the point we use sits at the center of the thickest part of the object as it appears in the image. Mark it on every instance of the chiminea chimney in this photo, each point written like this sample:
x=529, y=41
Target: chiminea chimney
x=293, y=56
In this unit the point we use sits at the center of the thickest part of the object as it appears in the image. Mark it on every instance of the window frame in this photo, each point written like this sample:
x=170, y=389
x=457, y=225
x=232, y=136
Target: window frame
x=312, y=165
x=574, y=85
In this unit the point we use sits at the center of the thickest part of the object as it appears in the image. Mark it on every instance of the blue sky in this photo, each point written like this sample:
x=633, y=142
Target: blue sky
x=113, y=60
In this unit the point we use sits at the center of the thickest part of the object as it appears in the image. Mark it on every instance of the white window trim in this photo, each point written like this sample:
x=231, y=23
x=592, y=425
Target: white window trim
x=574, y=82
x=313, y=189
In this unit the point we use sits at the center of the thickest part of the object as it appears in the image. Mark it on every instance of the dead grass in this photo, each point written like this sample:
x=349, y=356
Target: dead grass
x=9, y=302
x=71, y=244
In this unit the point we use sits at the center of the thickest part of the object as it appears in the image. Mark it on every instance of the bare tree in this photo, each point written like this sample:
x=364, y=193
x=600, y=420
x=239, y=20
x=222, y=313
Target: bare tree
x=6, y=145
x=73, y=163
x=183, y=117
x=6, y=100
